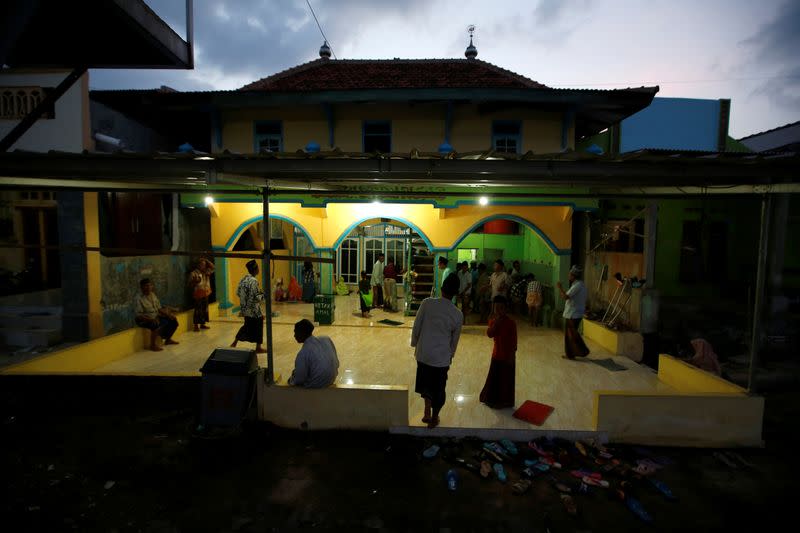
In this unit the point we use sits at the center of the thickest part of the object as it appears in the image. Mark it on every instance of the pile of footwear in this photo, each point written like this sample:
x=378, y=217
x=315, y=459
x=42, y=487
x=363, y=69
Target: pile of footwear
x=571, y=469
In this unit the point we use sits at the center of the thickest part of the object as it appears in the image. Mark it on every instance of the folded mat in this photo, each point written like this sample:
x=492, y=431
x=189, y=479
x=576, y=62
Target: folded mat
x=533, y=412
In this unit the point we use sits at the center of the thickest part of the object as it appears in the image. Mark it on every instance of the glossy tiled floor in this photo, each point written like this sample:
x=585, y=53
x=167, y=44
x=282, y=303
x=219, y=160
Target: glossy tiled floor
x=373, y=353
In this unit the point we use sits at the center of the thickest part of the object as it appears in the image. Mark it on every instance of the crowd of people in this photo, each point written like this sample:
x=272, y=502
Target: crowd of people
x=478, y=287
x=438, y=323
x=435, y=333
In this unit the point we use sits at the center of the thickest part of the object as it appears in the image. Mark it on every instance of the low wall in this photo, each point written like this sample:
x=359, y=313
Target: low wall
x=86, y=357
x=627, y=343
x=694, y=408
x=364, y=407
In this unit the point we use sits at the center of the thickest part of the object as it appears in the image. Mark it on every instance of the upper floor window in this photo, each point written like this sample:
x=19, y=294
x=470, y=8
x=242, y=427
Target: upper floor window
x=378, y=136
x=507, y=136
x=16, y=102
x=269, y=136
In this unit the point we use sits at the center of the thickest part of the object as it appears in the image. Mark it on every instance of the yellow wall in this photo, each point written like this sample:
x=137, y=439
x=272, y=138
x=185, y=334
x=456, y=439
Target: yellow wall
x=91, y=222
x=684, y=377
x=365, y=407
x=690, y=408
x=420, y=126
x=86, y=357
x=698, y=420
x=441, y=226
x=627, y=343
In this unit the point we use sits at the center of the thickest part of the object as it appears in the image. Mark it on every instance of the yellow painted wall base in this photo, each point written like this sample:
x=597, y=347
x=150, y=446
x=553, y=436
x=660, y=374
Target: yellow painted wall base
x=365, y=407
x=684, y=377
x=627, y=343
x=699, y=409
x=700, y=420
x=86, y=357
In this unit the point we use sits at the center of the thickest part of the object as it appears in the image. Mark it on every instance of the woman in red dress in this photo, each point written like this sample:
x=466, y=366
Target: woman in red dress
x=498, y=392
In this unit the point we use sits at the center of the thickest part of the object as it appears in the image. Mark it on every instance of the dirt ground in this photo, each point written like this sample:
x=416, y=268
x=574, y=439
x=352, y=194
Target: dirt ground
x=147, y=469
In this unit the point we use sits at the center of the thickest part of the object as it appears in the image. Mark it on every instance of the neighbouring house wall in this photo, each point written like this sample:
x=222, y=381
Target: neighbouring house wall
x=420, y=126
x=673, y=124
x=120, y=284
x=135, y=136
x=65, y=132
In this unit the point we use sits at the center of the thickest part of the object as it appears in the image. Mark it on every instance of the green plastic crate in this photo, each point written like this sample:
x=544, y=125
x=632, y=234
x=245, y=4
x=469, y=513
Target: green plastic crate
x=324, y=308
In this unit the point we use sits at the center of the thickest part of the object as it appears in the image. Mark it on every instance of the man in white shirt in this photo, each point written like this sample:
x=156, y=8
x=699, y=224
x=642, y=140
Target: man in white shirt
x=444, y=271
x=437, y=328
x=574, y=308
x=316, y=364
x=500, y=280
x=377, y=282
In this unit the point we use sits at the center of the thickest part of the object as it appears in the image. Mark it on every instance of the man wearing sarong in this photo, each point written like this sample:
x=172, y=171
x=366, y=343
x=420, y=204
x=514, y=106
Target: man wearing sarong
x=437, y=328
x=498, y=392
x=250, y=296
x=574, y=307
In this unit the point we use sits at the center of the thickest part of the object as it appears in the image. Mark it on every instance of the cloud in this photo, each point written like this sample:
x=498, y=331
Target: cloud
x=774, y=50
x=778, y=41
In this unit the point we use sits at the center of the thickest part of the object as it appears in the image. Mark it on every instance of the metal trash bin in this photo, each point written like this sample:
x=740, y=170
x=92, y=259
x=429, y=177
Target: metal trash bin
x=228, y=386
x=323, y=309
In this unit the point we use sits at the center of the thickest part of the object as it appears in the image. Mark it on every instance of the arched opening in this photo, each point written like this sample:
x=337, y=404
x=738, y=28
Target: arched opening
x=523, y=249
x=286, y=238
x=402, y=243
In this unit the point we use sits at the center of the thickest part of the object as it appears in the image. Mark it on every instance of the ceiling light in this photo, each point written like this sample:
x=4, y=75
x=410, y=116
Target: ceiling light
x=209, y=200
x=483, y=200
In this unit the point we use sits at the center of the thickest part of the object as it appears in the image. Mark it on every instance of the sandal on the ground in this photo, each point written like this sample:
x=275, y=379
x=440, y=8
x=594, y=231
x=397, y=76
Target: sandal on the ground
x=521, y=486
x=595, y=482
x=486, y=469
x=560, y=487
x=434, y=421
x=430, y=452
x=510, y=446
x=426, y=419
x=637, y=509
x=501, y=472
x=663, y=489
x=569, y=504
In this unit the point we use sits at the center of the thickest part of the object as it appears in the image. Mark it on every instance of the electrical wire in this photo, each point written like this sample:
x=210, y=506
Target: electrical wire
x=320, y=28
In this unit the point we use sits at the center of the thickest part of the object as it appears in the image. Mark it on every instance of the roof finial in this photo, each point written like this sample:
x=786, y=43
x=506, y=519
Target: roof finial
x=325, y=51
x=471, y=51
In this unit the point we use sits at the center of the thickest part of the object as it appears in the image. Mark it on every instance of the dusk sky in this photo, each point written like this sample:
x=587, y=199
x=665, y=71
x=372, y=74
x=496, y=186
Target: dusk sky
x=739, y=49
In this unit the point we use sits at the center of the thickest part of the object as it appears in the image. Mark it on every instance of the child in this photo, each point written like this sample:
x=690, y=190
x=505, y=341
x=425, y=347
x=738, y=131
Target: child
x=280, y=292
x=365, y=294
x=498, y=392
x=534, y=298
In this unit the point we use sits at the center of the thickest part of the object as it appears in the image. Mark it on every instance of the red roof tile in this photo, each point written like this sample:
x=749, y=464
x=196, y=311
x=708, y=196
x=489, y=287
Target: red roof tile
x=354, y=74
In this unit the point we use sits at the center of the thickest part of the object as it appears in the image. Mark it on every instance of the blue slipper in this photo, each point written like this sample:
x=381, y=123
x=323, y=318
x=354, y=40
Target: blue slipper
x=637, y=509
x=501, y=472
x=431, y=452
x=663, y=489
x=510, y=446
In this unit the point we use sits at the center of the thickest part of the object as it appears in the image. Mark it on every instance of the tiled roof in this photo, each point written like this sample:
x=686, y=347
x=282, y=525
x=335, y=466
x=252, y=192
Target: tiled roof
x=349, y=74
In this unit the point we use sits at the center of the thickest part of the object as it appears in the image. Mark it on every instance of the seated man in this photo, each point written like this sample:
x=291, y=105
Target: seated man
x=152, y=315
x=316, y=365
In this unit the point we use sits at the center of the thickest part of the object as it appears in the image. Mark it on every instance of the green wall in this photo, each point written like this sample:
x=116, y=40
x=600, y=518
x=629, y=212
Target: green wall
x=742, y=216
x=527, y=247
